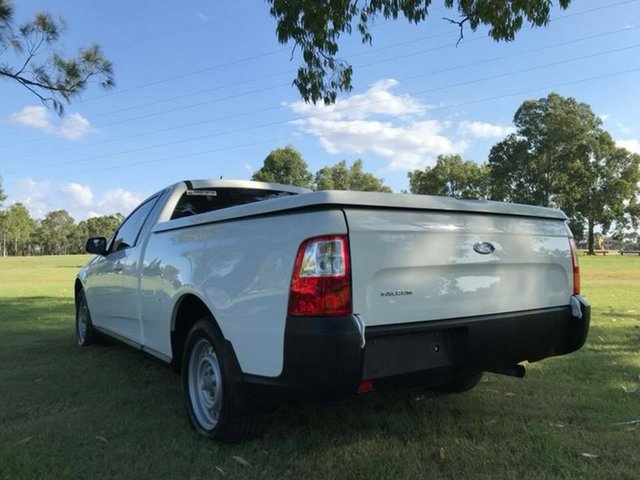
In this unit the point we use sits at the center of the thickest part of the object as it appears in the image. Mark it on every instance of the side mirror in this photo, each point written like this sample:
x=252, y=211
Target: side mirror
x=97, y=245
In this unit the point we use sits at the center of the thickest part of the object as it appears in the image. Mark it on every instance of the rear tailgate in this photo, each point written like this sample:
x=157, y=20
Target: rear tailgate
x=420, y=265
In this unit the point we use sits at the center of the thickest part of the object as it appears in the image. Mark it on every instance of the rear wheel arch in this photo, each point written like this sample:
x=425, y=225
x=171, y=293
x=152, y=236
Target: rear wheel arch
x=187, y=311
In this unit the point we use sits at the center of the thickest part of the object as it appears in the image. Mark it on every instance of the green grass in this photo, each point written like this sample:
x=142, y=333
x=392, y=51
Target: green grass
x=111, y=412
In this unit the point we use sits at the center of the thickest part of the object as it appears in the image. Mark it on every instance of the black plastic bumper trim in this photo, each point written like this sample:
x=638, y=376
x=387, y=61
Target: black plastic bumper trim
x=323, y=355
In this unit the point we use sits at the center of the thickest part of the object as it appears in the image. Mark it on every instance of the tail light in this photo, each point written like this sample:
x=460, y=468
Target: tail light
x=576, y=267
x=366, y=386
x=321, y=281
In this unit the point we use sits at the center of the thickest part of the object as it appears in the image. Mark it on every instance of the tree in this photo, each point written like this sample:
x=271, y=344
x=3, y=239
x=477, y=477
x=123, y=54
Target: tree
x=103, y=226
x=79, y=238
x=315, y=26
x=555, y=136
x=3, y=197
x=38, y=65
x=286, y=166
x=451, y=176
x=610, y=194
x=17, y=227
x=340, y=177
x=56, y=233
x=3, y=233
x=516, y=175
x=560, y=157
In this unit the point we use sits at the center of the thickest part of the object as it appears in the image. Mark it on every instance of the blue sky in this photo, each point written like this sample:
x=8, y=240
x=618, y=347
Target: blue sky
x=204, y=90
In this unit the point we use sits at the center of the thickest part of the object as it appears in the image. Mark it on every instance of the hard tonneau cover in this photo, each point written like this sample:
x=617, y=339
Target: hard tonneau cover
x=308, y=199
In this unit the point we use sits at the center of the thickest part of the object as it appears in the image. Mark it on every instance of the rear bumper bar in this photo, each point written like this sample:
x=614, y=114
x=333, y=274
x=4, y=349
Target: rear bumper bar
x=323, y=356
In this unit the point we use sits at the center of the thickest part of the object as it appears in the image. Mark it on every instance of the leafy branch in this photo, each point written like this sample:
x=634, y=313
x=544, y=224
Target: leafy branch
x=39, y=68
x=316, y=26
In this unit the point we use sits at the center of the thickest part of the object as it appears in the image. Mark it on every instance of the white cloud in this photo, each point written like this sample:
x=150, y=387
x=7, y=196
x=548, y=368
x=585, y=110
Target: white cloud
x=248, y=168
x=72, y=127
x=34, y=195
x=379, y=99
x=40, y=197
x=202, y=17
x=116, y=200
x=632, y=145
x=604, y=116
x=484, y=129
x=404, y=138
x=404, y=147
x=32, y=116
x=624, y=128
x=77, y=194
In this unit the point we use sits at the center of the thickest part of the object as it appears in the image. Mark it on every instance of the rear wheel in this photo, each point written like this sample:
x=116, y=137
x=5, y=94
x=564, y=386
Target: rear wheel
x=211, y=398
x=461, y=384
x=85, y=333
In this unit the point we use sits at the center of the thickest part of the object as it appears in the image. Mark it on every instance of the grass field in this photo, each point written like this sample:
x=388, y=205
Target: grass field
x=111, y=412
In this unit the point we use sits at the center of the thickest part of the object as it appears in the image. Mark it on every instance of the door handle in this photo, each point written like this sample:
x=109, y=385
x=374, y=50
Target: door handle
x=118, y=266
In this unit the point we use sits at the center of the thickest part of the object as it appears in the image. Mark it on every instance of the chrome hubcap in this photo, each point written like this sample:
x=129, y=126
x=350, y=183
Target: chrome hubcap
x=205, y=384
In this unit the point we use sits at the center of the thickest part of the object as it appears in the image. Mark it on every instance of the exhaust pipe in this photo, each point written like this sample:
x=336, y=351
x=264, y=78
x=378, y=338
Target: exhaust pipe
x=517, y=371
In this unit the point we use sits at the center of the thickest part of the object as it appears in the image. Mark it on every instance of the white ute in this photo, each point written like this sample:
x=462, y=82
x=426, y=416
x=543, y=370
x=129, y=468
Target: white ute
x=260, y=293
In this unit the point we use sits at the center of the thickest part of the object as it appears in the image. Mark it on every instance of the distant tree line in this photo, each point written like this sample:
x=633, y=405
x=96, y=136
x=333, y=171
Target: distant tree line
x=56, y=233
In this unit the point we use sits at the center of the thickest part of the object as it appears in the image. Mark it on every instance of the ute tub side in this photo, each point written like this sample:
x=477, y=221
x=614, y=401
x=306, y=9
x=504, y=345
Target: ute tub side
x=241, y=269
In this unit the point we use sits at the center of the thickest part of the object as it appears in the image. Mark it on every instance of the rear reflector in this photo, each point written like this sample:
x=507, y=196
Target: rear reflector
x=366, y=386
x=321, y=281
x=576, y=267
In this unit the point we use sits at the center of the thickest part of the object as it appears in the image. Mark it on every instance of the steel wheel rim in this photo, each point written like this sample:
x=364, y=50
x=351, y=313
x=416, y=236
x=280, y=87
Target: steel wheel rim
x=82, y=321
x=205, y=384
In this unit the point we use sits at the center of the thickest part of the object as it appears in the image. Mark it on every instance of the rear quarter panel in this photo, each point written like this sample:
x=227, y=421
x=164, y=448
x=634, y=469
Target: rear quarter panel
x=241, y=269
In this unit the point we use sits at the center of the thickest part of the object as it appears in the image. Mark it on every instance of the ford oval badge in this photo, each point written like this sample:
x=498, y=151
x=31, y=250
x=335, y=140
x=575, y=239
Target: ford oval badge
x=484, y=248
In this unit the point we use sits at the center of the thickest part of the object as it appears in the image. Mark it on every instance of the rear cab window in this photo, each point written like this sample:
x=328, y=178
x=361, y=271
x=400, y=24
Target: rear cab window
x=202, y=200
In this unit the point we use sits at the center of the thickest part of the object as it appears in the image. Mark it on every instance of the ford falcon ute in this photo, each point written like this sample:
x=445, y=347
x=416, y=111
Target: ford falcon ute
x=262, y=293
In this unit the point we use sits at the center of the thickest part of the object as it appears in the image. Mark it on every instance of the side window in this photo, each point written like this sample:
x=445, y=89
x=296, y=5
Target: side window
x=127, y=234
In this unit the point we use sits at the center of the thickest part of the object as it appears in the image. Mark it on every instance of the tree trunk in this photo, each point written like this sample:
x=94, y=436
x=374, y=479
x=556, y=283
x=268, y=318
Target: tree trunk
x=591, y=238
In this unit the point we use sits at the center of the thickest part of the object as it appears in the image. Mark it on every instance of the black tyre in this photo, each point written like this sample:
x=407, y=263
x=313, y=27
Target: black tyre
x=215, y=404
x=461, y=384
x=85, y=333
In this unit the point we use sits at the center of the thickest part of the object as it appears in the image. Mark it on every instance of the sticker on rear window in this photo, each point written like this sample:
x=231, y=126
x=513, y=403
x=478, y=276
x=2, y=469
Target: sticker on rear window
x=201, y=193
